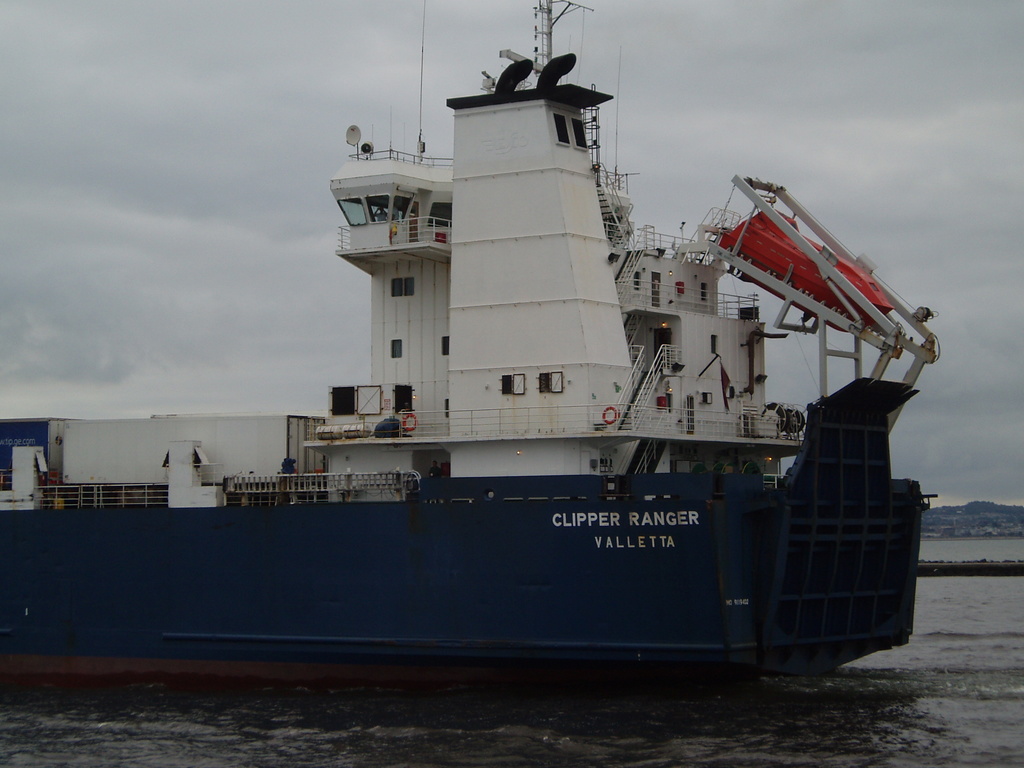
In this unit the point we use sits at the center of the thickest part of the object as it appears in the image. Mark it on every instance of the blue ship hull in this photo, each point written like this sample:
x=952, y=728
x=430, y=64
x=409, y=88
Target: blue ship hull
x=478, y=579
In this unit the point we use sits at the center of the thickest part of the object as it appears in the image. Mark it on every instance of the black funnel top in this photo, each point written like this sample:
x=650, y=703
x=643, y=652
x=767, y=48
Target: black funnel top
x=547, y=87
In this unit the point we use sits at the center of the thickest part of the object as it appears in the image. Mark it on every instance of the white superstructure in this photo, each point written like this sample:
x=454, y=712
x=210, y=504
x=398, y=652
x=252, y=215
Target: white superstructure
x=523, y=326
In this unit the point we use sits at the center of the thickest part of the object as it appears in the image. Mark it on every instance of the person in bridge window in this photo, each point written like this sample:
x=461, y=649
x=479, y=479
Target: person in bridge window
x=435, y=470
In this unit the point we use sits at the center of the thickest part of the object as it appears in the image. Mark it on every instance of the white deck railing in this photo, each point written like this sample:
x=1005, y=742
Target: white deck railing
x=643, y=421
x=405, y=157
x=415, y=230
x=103, y=495
x=259, y=490
x=642, y=294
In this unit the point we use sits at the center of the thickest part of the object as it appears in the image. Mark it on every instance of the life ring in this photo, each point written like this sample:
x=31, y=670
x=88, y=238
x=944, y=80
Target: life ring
x=611, y=415
x=409, y=422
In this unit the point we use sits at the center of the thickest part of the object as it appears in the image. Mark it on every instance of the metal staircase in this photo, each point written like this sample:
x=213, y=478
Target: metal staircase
x=644, y=454
x=615, y=214
x=630, y=294
x=631, y=327
x=664, y=363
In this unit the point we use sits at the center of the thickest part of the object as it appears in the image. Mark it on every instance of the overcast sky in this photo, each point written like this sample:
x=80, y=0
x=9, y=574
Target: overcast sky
x=167, y=232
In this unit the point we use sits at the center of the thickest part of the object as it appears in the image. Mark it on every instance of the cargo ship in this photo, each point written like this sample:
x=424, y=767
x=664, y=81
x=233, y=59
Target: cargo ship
x=566, y=463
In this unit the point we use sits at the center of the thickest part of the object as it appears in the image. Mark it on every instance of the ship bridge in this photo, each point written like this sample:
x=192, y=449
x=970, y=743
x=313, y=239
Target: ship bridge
x=397, y=207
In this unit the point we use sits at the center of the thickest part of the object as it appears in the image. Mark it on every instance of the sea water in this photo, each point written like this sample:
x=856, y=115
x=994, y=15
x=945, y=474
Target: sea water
x=967, y=550
x=953, y=697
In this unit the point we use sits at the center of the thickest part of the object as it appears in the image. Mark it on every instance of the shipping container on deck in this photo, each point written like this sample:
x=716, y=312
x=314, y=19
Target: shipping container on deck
x=135, y=450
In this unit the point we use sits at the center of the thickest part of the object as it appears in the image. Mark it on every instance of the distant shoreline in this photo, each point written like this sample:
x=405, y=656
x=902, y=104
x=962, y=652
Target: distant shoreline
x=971, y=538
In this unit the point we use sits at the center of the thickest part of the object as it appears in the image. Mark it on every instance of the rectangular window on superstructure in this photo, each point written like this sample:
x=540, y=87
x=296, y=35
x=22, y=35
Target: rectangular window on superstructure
x=561, y=129
x=550, y=381
x=714, y=344
x=396, y=348
x=403, y=397
x=440, y=214
x=343, y=401
x=403, y=286
x=578, y=133
x=444, y=345
x=513, y=384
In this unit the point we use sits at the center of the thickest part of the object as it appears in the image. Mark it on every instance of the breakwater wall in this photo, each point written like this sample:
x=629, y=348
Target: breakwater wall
x=978, y=568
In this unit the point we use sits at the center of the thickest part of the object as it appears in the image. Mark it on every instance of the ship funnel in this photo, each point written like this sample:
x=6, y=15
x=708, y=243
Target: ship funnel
x=513, y=75
x=555, y=70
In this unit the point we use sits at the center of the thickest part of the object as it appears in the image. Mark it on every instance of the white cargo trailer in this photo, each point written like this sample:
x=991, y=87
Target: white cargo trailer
x=135, y=450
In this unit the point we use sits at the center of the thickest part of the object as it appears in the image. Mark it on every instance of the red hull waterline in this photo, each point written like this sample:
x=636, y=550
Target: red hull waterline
x=191, y=675
x=765, y=246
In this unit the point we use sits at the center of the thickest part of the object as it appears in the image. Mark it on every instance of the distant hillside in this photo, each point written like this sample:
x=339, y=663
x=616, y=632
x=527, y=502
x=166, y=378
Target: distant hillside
x=976, y=518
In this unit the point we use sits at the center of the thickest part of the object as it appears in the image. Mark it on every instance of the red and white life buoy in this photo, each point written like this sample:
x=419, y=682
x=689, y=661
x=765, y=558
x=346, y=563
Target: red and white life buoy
x=611, y=415
x=409, y=422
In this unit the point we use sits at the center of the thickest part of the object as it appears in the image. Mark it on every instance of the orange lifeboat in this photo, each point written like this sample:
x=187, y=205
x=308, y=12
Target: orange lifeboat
x=765, y=246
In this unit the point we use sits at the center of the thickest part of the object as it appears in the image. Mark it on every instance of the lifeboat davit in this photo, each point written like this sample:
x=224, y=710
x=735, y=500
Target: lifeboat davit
x=765, y=246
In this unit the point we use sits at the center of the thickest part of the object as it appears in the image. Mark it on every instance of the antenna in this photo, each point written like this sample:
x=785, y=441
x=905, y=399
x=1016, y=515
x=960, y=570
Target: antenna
x=542, y=32
x=420, y=146
x=618, y=101
x=353, y=135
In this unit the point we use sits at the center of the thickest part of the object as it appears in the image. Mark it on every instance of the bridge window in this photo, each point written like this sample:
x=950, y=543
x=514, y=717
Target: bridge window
x=378, y=205
x=354, y=211
x=400, y=207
